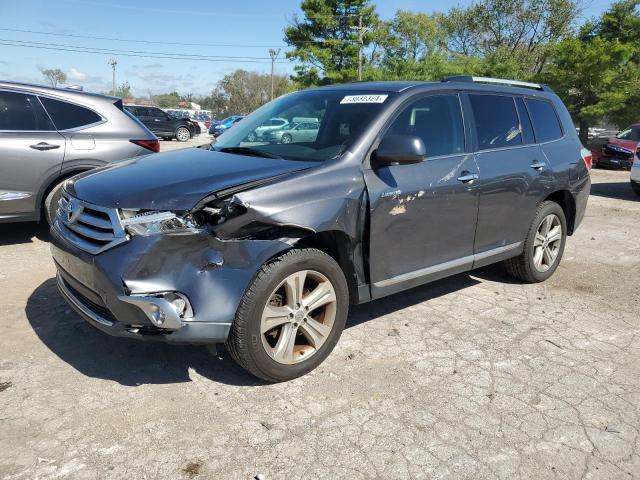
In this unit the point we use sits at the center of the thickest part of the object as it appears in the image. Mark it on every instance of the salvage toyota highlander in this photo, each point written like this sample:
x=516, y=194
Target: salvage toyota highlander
x=263, y=246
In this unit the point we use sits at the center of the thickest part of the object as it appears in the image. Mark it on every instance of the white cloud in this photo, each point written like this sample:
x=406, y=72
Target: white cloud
x=76, y=75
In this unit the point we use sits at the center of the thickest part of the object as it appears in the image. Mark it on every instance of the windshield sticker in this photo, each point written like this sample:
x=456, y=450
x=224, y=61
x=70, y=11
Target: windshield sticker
x=364, y=99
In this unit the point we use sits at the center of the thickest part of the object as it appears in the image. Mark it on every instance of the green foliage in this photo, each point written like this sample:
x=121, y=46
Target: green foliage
x=53, y=75
x=597, y=73
x=167, y=100
x=241, y=92
x=325, y=41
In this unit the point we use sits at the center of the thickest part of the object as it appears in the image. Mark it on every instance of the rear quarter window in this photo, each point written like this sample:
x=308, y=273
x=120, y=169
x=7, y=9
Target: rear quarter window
x=545, y=120
x=67, y=115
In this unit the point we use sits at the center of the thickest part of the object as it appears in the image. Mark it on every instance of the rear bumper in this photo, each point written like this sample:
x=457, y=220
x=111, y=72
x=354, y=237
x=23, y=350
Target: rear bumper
x=581, y=193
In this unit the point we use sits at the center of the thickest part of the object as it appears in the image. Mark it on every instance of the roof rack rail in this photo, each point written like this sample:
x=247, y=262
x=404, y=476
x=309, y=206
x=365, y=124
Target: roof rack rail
x=499, y=81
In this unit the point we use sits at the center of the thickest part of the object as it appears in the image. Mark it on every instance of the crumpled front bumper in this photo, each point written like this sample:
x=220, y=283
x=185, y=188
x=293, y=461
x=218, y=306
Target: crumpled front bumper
x=212, y=274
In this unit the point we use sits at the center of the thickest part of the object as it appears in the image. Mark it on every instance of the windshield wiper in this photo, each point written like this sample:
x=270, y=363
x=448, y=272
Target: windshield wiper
x=249, y=151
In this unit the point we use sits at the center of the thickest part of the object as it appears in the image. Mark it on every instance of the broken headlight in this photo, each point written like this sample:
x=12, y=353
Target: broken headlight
x=153, y=223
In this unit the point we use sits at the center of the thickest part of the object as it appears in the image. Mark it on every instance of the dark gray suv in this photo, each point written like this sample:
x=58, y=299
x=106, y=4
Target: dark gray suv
x=263, y=246
x=49, y=134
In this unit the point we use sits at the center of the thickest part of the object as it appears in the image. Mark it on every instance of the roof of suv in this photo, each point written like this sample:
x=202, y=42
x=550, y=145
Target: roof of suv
x=70, y=93
x=466, y=83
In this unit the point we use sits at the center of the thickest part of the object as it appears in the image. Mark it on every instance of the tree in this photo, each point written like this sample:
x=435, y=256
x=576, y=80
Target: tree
x=124, y=91
x=166, y=100
x=241, y=92
x=590, y=77
x=53, y=75
x=520, y=31
x=326, y=41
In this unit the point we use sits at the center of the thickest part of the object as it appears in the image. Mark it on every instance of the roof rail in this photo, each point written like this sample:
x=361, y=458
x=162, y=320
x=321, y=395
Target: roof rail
x=499, y=81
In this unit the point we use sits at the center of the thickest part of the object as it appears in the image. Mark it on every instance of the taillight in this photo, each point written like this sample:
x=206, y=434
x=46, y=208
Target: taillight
x=587, y=156
x=153, y=145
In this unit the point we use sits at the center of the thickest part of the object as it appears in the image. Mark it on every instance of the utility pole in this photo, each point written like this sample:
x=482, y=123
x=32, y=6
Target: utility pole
x=113, y=64
x=274, y=55
x=361, y=31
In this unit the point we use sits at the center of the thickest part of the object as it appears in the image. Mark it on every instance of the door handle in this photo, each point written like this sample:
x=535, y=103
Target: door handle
x=468, y=177
x=536, y=165
x=42, y=146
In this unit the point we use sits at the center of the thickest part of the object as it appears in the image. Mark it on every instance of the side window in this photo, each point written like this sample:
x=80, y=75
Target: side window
x=545, y=120
x=68, y=115
x=157, y=113
x=22, y=112
x=496, y=120
x=525, y=123
x=437, y=120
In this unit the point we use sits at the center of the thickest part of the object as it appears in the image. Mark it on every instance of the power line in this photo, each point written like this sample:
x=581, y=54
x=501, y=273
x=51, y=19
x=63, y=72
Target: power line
x=91, y=50
x=132, y=40
x=140, y=52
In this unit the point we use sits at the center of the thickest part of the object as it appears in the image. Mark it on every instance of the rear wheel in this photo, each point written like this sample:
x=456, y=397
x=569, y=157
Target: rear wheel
x=51, y=202
x=543, y=247
x=636, y=187
x=183, y=134
x=291, y=316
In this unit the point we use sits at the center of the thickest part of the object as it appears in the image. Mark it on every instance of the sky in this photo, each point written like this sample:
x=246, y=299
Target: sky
x=142, y=29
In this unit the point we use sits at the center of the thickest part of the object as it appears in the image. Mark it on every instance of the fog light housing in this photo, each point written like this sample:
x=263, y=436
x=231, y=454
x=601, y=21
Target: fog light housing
x=165, y=309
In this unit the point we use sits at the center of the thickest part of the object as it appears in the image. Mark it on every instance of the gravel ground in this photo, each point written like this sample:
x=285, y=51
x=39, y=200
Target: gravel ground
x=472, y=377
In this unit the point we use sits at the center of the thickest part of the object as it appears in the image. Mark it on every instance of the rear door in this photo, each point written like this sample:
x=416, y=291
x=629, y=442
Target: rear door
x=423, y=216
x=513, y=174
x=31, y=152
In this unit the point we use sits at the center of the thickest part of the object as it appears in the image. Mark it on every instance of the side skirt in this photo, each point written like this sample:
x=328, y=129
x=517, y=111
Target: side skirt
x=442, y=270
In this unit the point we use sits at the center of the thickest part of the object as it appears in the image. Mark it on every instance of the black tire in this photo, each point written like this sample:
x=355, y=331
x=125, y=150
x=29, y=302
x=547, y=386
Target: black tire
x=522, y=267
x=286, y=138
x=180, y=135
x=51, y=202
x=636, y=187
x=245, y=342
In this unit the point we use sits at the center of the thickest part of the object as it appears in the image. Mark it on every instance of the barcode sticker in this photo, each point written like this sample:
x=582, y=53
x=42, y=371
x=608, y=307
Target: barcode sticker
x=364, y=99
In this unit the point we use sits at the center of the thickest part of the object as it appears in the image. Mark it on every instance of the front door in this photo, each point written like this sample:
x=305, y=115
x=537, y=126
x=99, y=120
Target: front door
x=31, y=153
x=423, y=216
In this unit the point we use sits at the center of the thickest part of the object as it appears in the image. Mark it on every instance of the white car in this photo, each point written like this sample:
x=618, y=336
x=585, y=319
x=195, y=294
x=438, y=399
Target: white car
x=269, y=125
x=635, y=174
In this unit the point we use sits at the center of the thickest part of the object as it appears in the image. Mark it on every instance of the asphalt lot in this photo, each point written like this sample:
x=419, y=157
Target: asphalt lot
x=167, y=145
x=472, y=377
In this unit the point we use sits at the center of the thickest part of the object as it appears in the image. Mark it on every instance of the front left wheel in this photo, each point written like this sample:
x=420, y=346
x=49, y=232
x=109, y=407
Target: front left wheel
x=291, y=316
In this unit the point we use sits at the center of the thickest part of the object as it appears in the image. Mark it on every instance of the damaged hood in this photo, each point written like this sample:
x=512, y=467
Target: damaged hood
x=174, y=180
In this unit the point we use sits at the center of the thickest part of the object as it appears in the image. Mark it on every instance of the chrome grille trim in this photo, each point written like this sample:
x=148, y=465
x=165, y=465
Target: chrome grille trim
x=89, y=227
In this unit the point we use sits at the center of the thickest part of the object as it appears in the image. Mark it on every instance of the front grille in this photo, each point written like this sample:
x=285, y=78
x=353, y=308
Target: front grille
x=91, y=228
x=99, y=309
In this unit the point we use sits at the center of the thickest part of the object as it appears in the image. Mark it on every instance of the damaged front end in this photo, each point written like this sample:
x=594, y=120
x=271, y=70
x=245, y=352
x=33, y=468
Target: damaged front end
x=179, y=276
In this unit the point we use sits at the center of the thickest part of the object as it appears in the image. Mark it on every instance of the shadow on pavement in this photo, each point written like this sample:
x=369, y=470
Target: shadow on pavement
x=17, y=233
x=132, y=363
x=616, y=190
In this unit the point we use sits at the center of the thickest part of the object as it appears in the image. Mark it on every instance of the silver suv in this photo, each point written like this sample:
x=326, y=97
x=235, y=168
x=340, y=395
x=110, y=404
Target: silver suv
x=49, y=134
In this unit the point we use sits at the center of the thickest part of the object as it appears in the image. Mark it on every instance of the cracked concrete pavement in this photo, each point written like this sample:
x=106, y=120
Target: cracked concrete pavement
x=472, y=377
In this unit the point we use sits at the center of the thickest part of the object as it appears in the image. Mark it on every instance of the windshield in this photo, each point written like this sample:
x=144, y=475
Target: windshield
x=318, y=125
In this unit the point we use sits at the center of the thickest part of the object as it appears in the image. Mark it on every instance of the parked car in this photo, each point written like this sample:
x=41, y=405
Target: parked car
x=294, y=133
x=268, y=126
x=161, y=123
x=219, y=128
x=264, y=246
x=635, y=175
x=49, y=134
x=617, y=151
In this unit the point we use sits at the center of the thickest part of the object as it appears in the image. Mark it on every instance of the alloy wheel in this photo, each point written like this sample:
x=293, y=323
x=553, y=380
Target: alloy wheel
x=298, y=317
x=183, y=134
x=547, y=242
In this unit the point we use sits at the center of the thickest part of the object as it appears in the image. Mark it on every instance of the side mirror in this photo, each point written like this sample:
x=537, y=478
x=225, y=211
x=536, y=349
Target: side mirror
x=400, y=149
